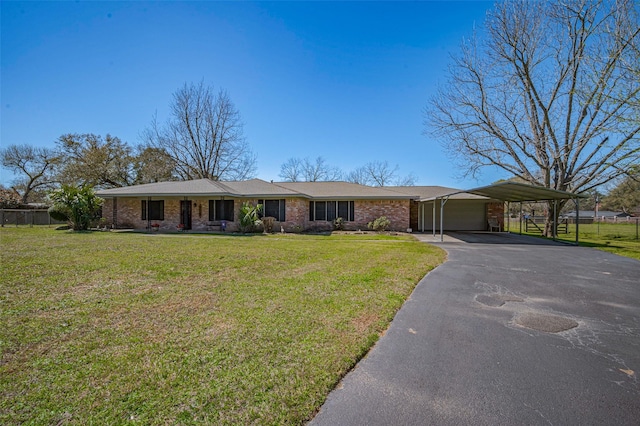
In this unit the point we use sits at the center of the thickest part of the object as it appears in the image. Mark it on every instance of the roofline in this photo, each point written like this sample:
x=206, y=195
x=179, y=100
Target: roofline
x=193, y=194
x=559, y=195
x=296, y=195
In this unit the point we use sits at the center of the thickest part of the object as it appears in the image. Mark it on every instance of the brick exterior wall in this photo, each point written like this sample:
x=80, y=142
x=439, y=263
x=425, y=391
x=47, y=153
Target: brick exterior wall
x=107, y=211
x=397, y=211
x=496, y=209
x=128, y=214
x=414, y=215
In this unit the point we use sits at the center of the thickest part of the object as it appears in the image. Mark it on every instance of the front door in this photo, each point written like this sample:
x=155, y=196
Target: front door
x=185, y=213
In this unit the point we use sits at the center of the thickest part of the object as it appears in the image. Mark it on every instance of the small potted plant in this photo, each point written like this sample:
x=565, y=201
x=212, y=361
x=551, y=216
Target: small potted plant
x=181, y=227
x=155, y=227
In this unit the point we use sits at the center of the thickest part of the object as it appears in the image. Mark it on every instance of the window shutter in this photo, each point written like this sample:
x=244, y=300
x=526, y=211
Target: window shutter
x=283, y=209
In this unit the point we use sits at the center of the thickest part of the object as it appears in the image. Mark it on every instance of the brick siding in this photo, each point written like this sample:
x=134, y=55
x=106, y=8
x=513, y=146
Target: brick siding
x=496, y=209
x=129, y=214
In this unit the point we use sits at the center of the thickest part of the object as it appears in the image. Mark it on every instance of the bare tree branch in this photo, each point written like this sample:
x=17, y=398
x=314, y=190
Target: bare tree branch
x=550, y=95
x=34, y=167
x=204, y=136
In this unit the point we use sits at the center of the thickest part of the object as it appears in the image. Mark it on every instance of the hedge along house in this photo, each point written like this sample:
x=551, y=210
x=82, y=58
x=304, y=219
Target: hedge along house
x=206, y=205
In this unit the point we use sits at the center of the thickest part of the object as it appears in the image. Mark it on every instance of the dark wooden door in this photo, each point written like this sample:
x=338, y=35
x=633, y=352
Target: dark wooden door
x=185, y=213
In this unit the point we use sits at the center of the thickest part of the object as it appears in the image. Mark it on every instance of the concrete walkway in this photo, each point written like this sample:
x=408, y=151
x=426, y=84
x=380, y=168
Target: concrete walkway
x=487, y=339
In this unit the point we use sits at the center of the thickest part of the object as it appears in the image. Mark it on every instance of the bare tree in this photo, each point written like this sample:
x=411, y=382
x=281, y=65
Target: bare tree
x=34, y=167
x=550, y=94
x=89, y=159
x=379, y=173
x=204, y=136
x=291, y=170
x=296, y=170
x=408, y=180
x=319, y=170
x=358, y=176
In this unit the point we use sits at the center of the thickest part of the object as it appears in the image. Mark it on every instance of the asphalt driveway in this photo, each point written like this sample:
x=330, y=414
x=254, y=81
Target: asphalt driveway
x=509, y=330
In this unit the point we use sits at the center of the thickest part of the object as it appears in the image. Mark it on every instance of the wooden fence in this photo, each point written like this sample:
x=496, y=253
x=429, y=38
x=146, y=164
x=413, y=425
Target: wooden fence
x=26, y=217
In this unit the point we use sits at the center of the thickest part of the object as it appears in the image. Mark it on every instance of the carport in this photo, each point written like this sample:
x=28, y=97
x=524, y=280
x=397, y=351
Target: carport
x=508, y=192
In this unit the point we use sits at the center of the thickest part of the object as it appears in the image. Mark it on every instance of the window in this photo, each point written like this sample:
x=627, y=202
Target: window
x=221, y=210
x=331, y=210
x=155, y=210
x=273, y=208
x=320, y=210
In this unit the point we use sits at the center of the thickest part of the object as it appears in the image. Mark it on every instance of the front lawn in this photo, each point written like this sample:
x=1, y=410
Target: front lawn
x=112, y=328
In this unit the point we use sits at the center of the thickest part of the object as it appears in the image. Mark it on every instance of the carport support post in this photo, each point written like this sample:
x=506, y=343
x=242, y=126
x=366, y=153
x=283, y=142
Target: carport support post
x=577, y=202
x=443, y=201
x=555, y=219
x=521, y=217
x=434, y=218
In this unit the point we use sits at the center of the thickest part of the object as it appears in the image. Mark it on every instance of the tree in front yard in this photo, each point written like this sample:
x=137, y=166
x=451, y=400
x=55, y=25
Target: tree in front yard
x=203, y=136
x=550, y=94
x=80, y=205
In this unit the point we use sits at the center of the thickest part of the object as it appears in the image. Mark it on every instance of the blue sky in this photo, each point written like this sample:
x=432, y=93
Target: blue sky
x=347, y=81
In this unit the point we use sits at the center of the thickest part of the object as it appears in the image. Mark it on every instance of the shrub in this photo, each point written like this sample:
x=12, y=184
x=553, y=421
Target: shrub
x=249, y=219
x=80, y=203
x=59, y=212
x=9, y=199
x=267, y=224
x=338, y=224
x=380, y=224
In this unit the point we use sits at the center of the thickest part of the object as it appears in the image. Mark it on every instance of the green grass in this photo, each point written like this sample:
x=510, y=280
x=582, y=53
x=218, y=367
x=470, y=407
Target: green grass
x=617, y=238
x=124, y=328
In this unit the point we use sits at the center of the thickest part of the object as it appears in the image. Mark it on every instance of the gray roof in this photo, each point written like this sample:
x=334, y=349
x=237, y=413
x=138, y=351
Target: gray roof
x=258, y=188
x=254, y=188
x=514, y=191
x=177, y=188
x=428, y=193
x=337, y=190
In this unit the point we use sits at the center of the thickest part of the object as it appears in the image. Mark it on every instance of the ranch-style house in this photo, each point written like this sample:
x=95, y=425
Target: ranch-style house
x=207, y=205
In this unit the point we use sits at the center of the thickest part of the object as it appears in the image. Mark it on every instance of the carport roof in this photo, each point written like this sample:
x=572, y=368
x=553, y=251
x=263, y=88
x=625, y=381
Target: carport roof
x=515, y=191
